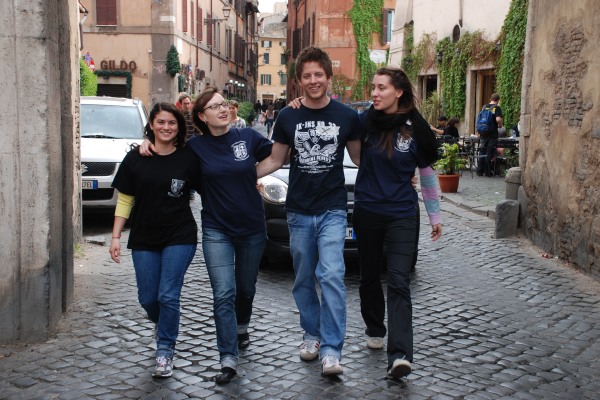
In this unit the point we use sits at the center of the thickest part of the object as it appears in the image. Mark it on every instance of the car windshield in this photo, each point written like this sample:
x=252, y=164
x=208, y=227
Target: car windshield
x=111, y=121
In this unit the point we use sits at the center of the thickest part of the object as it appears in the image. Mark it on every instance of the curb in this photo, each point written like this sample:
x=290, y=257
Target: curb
x=457, y=200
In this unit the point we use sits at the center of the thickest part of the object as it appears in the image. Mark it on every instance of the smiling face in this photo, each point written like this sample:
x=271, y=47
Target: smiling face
x=385, y=95
x=218, y=118
x=165, y=128
x=314, y=81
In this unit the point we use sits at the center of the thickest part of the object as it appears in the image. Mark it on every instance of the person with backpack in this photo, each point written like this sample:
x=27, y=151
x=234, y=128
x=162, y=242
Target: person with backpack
x=487, y=124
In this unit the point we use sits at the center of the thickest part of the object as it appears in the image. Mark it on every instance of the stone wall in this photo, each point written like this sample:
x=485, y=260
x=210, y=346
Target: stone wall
x=560, y=148
x=38, y=167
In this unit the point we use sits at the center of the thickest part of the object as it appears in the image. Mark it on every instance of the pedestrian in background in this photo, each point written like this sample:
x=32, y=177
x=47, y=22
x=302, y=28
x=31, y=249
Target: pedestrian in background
x=185, y=105
x=489, y=140
x=396, y=140
x=155, y=191
x=233, y=220
x=234, y=120
x=316, y=204
x=269, y=118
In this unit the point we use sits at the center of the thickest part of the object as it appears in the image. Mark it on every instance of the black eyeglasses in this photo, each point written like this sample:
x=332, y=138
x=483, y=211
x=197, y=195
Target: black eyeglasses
x=216, y=106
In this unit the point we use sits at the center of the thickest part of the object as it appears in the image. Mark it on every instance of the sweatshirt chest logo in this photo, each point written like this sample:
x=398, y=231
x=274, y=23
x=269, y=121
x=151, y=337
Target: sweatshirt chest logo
x=176, y=188
x=240, y=151
x=402, y=145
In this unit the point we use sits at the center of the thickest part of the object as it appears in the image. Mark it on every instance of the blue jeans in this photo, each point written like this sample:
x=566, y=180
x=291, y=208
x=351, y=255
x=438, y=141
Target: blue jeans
x=232, y=264
x=159, y=276
x=317, y=247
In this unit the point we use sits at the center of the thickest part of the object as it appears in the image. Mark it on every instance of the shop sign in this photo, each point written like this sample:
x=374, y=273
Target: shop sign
x=113, y=65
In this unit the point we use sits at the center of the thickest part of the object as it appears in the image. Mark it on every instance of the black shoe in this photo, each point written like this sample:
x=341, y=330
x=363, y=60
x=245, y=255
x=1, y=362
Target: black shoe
x=226, y=375
x=479, y=173
x=243, y=340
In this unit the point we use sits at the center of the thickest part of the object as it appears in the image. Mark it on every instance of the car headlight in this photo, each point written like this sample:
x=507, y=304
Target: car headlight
x=273, y=189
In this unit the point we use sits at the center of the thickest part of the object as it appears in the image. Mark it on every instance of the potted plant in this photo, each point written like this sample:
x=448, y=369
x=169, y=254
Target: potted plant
x=449, y=164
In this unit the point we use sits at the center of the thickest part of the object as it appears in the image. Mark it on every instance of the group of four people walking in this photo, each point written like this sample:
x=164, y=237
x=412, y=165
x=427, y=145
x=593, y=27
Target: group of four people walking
x=388, y=143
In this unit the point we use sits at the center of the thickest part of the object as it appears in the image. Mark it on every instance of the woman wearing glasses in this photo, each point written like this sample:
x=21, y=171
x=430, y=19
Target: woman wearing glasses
x=233, y=222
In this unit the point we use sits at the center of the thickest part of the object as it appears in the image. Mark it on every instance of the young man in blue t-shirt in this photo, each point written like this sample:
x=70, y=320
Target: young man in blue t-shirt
x=316, y=204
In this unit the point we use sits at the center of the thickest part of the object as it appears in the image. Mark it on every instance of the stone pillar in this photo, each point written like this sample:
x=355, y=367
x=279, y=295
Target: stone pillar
x=38, y=91
x=513, y=181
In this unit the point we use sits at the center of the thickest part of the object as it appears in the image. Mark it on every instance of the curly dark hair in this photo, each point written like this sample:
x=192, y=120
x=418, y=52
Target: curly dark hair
x=170, y=108
x=312, y=53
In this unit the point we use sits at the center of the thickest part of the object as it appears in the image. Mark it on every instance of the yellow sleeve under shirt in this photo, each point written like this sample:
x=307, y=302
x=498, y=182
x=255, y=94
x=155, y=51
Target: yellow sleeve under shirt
x=124, y=205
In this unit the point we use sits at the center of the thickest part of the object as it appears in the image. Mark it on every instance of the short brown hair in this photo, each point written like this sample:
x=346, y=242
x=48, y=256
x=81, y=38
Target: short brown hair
x=495, y=97
x=234, y=103
x=312, y=53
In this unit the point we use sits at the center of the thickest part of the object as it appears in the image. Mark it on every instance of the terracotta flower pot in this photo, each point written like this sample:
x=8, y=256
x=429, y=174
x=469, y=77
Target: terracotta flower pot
x=449, y=183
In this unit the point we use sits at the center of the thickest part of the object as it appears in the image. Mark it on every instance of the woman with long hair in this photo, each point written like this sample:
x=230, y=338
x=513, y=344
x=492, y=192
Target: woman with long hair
x=395, y=141
x=154, y=193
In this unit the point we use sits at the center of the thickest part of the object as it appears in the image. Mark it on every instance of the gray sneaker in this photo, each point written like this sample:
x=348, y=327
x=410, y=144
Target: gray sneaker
x=309, y=350
x=374, y=342
x=164, y=367
x=331, y=365
x=400, y=368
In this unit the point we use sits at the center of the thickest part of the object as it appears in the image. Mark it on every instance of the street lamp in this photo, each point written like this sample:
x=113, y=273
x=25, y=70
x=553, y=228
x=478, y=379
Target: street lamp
x=226, y=12
x=440, y=56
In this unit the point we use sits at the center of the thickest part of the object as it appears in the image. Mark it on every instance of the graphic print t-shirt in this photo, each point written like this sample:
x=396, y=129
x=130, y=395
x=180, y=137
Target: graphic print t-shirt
x=161, y=214
x=230, y=201
x=317, y=138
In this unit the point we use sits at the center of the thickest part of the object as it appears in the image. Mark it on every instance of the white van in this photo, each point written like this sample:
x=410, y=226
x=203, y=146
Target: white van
x=109, y=126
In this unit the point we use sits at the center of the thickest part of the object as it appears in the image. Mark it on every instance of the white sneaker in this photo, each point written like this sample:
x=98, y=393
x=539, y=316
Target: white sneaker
x=374, y=342
x=331, y=365
x=309, y=350
x=400, y=368
x=164, y=367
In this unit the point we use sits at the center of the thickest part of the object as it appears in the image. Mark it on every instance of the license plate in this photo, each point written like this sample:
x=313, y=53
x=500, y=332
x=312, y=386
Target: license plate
x=89, y=185
x=350, y=234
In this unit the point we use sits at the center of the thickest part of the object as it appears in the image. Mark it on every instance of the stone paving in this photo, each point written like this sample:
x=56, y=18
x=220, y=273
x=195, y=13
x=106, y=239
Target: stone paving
x=493, y=320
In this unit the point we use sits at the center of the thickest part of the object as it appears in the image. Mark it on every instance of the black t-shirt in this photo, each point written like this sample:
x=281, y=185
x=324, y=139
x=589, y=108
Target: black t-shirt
x=230, y=201
x=451, y=131
x=317, y=138
x=161, y=215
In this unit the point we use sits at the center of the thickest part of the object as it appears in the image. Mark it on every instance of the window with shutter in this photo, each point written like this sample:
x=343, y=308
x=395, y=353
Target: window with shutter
x=192, y=20
x=199, y=23
x=106, y=12
x=184, y=16
x=209, y=31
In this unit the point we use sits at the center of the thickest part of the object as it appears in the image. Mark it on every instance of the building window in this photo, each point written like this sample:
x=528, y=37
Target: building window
x=184, y=16
x=266, y=58
x=388, y=18
x=199, y=23
x=266, y=43
x=106, y=12
x=265, y=79
x=228, y=36
x=284, y=59
x=283, y=77
x=192, y=20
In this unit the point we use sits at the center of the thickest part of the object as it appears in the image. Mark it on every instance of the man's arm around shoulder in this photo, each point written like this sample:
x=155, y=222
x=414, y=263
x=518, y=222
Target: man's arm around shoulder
x=279, y=153
x=353, y=147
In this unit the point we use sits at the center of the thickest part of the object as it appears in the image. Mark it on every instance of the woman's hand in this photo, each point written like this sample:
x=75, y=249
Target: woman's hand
x=146, y=148
x=296, y=103
x=115, y=250
x=414, y=180
x=436, y=232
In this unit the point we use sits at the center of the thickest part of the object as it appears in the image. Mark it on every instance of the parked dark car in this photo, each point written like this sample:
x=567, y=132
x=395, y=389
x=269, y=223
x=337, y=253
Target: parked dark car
x=274, y=192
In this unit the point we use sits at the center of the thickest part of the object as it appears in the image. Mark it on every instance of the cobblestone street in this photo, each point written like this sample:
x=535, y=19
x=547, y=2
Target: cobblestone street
x=492, y=320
